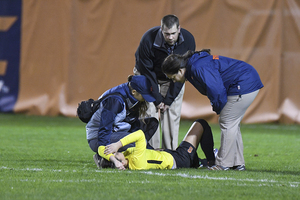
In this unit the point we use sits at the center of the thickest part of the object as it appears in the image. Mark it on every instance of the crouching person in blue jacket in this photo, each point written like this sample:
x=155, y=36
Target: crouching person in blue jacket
x=231, y=86
x=121, y=112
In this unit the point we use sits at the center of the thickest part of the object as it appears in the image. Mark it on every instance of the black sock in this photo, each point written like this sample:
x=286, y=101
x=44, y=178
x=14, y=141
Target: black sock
x=207, y=142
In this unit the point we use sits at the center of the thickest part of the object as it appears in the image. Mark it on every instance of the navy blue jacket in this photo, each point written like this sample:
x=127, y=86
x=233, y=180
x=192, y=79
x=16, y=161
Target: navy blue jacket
x=112, y=115
x=150, y=55
x=218, y=77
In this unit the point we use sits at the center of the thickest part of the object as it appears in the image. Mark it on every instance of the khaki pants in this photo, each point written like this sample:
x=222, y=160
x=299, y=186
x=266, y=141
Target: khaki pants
x=231, y=150
x=169, y=120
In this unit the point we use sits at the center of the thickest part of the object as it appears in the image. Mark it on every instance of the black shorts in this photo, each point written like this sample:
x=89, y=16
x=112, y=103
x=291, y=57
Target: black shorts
x=185, y=155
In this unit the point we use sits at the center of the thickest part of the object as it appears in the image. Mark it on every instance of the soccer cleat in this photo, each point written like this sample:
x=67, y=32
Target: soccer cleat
x=218, y=167
x=239, y=168
x=98, y=160
x=202, y=163
x=216, y=152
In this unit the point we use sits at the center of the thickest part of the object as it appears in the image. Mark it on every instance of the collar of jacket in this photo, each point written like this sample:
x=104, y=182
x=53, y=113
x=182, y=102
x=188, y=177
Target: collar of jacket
x=160, y=40
x=197, y=56
x=124, y=90
x=130, y=100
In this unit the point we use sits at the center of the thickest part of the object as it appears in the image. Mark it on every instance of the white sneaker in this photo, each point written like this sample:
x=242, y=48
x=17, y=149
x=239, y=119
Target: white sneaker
x=218, y=167
x=216, y=152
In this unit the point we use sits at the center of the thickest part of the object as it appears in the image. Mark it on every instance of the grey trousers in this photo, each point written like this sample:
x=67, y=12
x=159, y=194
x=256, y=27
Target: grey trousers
x=231, y=150
x=169, y=120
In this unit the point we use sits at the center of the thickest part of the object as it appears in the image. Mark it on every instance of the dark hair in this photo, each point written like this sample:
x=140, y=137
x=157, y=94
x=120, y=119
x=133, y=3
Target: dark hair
x=142, y=105
x=129, y=78
x=174, y=62
x=169, y=21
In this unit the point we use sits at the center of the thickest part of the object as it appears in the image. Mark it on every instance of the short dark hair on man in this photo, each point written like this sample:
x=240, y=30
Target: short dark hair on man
x=169, y=21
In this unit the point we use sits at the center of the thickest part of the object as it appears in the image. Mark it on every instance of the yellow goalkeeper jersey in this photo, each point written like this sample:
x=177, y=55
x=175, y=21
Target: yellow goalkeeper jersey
x=140, y=158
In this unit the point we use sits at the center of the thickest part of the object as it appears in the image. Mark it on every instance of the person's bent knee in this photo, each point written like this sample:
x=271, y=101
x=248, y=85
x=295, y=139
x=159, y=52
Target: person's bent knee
x=203, y=123
x=93, y=145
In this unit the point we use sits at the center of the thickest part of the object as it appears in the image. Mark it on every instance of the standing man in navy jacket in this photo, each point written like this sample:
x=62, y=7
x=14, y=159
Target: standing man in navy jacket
x=156, y=44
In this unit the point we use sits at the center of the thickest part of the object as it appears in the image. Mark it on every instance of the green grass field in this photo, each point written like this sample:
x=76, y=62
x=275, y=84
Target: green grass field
x=49, y=158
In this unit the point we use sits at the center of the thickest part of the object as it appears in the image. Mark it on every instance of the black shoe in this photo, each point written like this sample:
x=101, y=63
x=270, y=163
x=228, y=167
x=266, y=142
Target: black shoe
x=202, y=163
x=239, y=168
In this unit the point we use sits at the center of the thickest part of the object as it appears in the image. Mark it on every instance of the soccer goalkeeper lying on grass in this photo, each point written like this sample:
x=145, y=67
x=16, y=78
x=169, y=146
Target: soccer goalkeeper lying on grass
x=140, y=158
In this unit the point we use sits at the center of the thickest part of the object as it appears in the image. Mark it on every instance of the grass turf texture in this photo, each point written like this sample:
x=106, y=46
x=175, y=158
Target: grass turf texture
x=49, y=158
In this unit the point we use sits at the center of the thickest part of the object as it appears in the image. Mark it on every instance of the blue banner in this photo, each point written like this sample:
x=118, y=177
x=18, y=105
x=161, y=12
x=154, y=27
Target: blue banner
x=10, y=42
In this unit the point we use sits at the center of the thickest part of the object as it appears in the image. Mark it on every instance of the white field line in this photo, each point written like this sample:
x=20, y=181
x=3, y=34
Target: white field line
x=262, y=182
x=239, y=182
